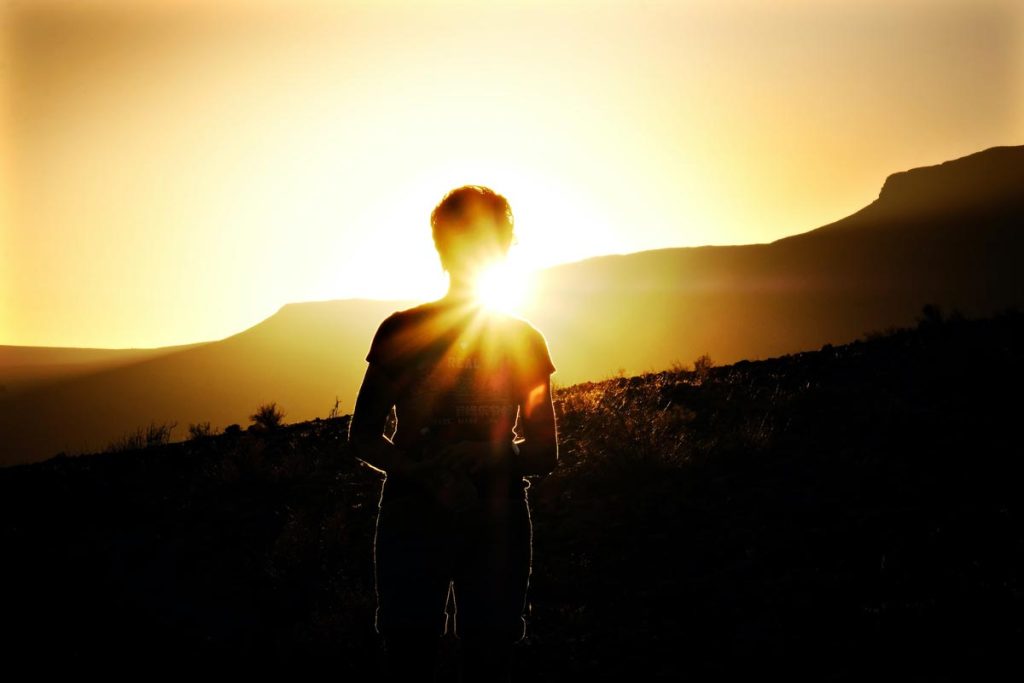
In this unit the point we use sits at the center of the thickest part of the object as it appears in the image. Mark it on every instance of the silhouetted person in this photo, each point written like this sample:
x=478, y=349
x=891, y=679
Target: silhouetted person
x=471, y=391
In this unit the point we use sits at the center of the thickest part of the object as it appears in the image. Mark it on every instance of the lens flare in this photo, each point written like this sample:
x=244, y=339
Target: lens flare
x=502, y=287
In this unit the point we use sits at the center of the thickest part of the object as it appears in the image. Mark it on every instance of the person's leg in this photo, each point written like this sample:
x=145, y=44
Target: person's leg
x=411, y=563
x=491, y=575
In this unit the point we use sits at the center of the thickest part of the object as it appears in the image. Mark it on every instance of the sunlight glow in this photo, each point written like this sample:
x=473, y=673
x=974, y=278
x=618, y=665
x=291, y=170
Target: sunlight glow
x=302, y=145
x=503, y=286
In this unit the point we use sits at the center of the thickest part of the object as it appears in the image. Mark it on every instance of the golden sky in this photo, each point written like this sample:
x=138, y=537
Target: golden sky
x=176, y=171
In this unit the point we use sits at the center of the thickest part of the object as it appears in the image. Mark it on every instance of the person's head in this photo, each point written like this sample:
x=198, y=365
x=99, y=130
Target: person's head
x=472, y=228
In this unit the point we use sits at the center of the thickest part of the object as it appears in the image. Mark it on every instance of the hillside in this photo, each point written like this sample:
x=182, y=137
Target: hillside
x=948, y=234
x=24, y=368
x=844, y=513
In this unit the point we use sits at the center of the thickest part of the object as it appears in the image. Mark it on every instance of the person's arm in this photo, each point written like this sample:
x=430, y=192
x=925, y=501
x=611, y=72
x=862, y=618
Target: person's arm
x=366, y=426
x=538, y=446
x=538, y=451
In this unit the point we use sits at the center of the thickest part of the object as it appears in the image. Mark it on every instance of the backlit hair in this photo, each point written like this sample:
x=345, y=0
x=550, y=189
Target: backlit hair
x=453, y=207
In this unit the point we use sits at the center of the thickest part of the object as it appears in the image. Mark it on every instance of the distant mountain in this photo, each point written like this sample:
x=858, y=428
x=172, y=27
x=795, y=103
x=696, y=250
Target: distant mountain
x=949, y=235
x=302, y=357
x=23, y=368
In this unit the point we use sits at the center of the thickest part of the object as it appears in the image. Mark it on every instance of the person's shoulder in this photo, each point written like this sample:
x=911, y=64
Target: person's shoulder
x=390, y=322
x=392, y=340
x=524, y=326
x=530, y=348
x=418, y=309
x=406, y=315
x=394, y=327
x=525, y=336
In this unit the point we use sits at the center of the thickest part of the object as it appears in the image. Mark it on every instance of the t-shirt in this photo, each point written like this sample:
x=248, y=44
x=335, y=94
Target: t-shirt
x=460, y=371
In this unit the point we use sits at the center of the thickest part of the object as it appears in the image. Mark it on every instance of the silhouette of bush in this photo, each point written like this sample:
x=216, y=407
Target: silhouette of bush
x=336, y=410
x=153, y=435
x=677, y=367
x=233, y=429
x=931, y=316
x=699, y=372
x=702, y=366
x=200, y=430
x=267, y=417
x=620, y=423
x=889, y=331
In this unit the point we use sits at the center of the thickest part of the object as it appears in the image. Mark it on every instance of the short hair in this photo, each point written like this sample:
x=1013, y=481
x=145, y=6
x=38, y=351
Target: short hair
x=453, y=207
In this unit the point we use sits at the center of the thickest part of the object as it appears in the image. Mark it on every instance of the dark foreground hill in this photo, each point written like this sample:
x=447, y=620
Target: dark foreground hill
x=851, y=513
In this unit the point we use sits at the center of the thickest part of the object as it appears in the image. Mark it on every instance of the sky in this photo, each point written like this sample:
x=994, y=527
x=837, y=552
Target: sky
x=176, y=171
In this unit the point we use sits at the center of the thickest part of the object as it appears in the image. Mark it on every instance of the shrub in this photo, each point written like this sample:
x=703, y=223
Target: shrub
x=874, y=335
x=336, y=410
x=199, y=430
x=931, y=316
x=621, y=424
x=159, y=434
x=153, y=435
x=267, y=417
x=678, y=367
x=702, y=366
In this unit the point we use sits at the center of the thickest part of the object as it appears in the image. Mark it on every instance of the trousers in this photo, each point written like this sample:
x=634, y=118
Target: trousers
x=482, y=556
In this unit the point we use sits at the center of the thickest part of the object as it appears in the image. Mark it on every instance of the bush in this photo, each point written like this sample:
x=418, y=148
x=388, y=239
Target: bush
x=702, y=366
x=678, y=367
x=200, y=430
x=889, y=331
x=336, y=410
x=931, y=316
x=153, y=435
x=267, y=417
x=621, y=423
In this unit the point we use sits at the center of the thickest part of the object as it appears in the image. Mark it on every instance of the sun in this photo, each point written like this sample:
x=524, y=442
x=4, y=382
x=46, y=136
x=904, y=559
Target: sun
x=503, y=287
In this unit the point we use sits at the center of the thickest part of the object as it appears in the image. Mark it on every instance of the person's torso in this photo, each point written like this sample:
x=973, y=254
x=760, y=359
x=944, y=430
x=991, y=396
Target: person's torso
x=459, y=379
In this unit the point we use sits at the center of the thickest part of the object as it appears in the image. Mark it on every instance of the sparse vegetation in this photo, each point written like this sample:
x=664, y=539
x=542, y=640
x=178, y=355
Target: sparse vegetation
x=931, y=315
x=889, y=331
x=678, y=367
x=153, y=435
x=699, y=371
x=336, y=410
x=201, y=430
x=267, y=417
x=702, y=367
x=808, y=514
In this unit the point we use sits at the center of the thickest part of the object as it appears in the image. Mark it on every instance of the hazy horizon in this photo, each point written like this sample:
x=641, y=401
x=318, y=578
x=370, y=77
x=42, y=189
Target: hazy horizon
x=176, y=172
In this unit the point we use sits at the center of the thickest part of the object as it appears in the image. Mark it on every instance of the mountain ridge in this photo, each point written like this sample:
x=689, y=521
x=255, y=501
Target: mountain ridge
x=645, y=310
